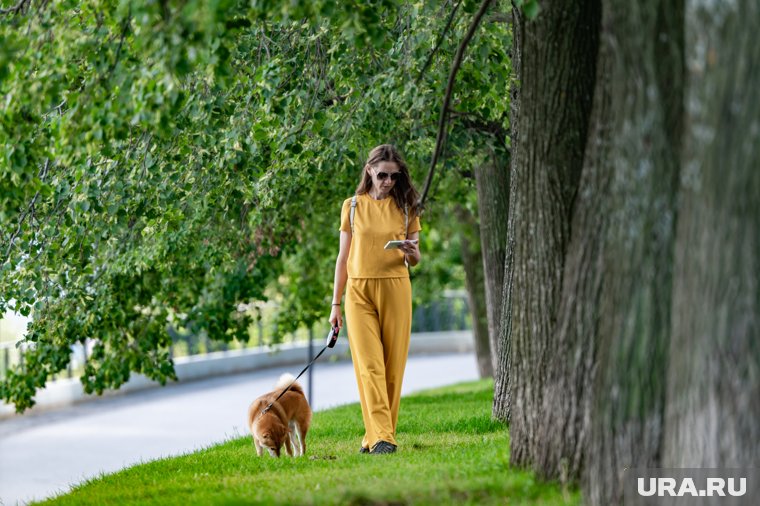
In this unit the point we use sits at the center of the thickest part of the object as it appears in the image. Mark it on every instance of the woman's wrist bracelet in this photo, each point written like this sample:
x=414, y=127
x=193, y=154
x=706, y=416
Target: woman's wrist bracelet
x=334, y=304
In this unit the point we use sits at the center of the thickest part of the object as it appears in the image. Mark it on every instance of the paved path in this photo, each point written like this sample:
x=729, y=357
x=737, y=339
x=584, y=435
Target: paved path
x=45, y=453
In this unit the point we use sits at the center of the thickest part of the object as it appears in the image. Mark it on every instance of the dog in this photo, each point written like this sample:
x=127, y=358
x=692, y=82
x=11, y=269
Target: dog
x=286, y=423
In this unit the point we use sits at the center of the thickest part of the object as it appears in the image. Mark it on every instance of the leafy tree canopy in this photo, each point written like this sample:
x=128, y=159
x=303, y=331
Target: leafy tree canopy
x=166, y=163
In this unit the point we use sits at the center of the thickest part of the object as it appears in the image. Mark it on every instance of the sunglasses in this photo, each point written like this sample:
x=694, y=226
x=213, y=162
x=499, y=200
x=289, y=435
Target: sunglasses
x=382, y=176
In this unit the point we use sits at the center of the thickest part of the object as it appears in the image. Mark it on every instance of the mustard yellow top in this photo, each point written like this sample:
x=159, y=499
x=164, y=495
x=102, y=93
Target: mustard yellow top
x=375, y=223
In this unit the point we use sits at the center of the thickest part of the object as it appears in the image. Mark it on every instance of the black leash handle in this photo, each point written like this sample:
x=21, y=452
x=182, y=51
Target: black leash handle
x=332, y=338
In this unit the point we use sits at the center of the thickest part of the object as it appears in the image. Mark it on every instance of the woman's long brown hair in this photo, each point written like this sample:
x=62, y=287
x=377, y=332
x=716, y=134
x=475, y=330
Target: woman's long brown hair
x=403, y=192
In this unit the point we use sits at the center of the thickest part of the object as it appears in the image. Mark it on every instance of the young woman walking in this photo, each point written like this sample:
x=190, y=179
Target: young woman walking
x=378, y=290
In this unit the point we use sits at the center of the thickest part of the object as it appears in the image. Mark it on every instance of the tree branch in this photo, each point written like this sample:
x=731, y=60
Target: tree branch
x=447, y=100
x=480, y=124
x=16, y=8
x=438, y=43
x=124, y=30
x=25, y=214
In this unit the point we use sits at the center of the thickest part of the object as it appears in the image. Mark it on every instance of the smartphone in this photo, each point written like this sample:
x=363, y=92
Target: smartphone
x=397, y=244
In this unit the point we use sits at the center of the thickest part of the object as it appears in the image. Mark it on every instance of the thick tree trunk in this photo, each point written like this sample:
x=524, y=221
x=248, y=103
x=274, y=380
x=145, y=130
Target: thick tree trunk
x=597, y=404
x=616, y=288
x=569, y=387
x=472, y=262
x=642, y=57
x=492, y=180
x=714, y=382
x=556, y=71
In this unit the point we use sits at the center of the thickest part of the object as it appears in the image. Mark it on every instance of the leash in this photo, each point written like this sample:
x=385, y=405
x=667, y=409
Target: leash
x=332, y=338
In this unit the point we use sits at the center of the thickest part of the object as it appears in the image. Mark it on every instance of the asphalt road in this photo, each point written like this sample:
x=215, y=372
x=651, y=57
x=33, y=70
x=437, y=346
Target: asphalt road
x=45, y=453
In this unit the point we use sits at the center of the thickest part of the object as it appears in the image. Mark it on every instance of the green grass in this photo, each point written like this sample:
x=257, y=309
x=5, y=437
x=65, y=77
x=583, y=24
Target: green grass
x=450, y=452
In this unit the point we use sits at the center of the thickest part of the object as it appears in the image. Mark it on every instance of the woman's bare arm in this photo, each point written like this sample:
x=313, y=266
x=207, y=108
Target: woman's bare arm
x=341, y=276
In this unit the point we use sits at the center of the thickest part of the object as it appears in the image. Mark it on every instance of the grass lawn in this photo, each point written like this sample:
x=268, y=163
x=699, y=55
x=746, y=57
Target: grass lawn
x=450, y=452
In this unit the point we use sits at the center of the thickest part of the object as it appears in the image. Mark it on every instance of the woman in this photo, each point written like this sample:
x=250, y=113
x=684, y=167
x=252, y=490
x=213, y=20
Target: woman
x=378, y=290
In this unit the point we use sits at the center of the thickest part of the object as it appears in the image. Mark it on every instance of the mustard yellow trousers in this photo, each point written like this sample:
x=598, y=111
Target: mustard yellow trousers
x=379, y=320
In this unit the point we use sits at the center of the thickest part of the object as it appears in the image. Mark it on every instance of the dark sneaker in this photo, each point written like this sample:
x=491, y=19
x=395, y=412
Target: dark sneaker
x=363, y=450
x=382, y=447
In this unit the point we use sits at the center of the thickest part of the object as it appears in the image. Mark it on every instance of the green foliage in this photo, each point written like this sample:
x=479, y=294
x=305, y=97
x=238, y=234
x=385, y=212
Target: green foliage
x=450, y=452
x=167, y=163
x=531, y=8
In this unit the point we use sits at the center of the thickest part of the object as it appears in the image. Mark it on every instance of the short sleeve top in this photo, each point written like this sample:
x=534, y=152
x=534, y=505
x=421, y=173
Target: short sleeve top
x=375, y=223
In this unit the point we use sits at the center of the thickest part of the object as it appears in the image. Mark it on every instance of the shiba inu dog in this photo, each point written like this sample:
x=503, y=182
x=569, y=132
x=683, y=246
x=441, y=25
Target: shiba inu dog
x=284, y=424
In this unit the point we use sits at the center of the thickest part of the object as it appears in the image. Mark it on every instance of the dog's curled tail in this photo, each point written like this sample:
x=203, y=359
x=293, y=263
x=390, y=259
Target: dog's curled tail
x=285, y=380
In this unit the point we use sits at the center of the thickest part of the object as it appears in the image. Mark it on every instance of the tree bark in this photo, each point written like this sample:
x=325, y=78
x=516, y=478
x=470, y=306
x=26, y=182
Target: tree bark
x=492, y=181
x=642, y=56
x=476, y=292
x=714, y=382
x=555, y=65
x=606, y=320
x=567, y=402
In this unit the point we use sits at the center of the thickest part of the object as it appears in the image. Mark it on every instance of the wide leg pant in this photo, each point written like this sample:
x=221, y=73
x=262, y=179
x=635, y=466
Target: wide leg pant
x=379, y=320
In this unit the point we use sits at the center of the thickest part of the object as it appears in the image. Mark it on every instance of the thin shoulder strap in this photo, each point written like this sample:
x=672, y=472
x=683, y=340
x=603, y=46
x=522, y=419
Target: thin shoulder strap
x=406, y=227
x=351, y=214
x=406, y=220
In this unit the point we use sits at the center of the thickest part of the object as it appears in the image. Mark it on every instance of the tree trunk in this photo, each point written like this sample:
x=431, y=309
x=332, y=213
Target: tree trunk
x=640, y=316
x=476, y=294
x=555, y=67
x=642, y=58
x=492, y=180
x=568, y=395
x=714, y=382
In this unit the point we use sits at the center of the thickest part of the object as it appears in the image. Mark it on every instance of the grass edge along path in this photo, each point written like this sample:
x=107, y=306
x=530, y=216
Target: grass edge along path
x=450, y=452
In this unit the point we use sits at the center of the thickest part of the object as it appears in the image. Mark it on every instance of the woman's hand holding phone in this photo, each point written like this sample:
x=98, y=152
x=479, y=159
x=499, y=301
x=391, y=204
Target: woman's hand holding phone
x=409, y=247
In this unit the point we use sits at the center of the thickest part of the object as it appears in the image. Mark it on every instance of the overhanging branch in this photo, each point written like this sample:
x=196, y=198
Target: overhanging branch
x=438, y=43
x=24, y=215
x=442, y=120
x=16, y=8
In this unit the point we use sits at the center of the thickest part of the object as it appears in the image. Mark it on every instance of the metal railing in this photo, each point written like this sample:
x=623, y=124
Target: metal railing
x=450, y=313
